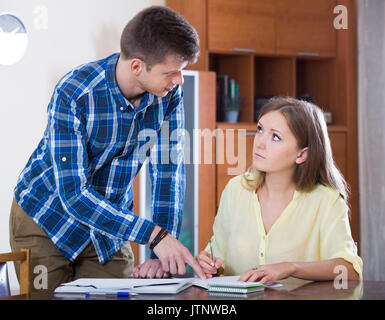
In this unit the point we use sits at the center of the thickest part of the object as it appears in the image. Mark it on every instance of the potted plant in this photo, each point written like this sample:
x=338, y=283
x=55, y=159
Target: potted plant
x=231, y=111
x=231, y=103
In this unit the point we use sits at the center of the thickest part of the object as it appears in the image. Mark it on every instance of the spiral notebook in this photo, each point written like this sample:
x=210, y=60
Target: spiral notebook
x=230, y=284
x=233, y=289
x=232, y=296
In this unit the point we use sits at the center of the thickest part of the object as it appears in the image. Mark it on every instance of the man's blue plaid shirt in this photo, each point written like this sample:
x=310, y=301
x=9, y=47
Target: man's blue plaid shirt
x=77, y=185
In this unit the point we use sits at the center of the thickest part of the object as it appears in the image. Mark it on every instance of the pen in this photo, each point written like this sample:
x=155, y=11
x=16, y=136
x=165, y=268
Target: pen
x=211, y=251
x=110, y=293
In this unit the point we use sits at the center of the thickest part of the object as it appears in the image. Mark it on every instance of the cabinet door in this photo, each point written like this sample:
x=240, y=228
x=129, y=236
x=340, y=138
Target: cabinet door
x=241, y=25
x=338, y=142
x=306, y=27
x=233, y=155
x=195, y=13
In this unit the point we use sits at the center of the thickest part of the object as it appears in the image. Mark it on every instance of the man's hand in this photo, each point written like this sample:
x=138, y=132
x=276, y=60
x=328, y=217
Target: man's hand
x=151, y=268
x=174, y=256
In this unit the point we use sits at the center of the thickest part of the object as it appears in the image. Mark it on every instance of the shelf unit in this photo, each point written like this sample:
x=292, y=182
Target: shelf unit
x=278, y=47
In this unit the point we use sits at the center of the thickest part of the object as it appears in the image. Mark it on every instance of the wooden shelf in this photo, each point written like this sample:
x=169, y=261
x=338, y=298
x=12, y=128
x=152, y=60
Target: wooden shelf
x=249, y=126
x=252, y=126
x=336, y=128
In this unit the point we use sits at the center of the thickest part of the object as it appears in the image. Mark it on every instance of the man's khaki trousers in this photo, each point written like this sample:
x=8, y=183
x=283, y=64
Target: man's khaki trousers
x=49, y=268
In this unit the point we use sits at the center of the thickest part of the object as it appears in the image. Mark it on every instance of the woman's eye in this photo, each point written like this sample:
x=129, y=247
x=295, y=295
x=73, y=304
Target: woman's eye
x=276, y=138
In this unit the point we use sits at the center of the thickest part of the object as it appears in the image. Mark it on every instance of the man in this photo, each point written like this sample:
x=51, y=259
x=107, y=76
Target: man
x=73, y=204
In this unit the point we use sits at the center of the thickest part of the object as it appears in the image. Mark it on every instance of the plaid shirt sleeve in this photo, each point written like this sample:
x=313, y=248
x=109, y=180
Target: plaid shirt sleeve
x=167, y=168
x=68, y=136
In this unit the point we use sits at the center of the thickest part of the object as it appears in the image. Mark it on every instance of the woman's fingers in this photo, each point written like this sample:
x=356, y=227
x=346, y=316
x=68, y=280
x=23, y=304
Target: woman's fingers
x=206, y=263
x=218, y=263
x=246, y=275
x=252, y=275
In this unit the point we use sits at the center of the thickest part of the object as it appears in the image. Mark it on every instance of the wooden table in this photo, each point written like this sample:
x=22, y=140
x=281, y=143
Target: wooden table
x=292, y=289
x=295, y=299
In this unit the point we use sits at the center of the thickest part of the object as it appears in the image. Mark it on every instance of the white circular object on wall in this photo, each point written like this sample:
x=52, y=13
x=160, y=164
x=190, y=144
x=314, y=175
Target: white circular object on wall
x=13, y=39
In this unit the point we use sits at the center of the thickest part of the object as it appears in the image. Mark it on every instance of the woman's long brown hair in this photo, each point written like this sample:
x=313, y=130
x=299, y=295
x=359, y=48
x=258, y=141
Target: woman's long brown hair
x=307, y=123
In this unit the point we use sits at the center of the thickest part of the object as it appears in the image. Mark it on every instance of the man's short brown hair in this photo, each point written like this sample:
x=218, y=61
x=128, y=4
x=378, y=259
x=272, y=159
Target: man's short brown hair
x=156, y=32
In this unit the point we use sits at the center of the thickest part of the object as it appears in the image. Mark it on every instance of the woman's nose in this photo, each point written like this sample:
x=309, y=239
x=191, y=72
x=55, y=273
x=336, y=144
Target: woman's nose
x=260, y=141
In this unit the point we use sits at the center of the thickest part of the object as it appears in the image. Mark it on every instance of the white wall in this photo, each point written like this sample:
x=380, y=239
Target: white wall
x=77, y=32
x=371, y=117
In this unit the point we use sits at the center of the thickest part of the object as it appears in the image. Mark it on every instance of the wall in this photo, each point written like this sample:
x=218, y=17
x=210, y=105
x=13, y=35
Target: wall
x=371, y=117
x=74, y=32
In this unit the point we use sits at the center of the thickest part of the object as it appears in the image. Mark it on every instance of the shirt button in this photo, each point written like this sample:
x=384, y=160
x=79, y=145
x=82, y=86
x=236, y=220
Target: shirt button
x=262, y=254
x=64, y=159
x=122, y=108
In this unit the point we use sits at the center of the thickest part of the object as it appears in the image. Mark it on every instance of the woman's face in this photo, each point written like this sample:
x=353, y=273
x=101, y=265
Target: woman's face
x=275, y=146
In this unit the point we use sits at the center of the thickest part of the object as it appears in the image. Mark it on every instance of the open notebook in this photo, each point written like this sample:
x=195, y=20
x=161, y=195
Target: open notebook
x=132, y=285
x=159, y=286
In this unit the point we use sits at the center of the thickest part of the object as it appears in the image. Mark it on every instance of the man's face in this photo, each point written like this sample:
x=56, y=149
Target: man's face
x=162, y=77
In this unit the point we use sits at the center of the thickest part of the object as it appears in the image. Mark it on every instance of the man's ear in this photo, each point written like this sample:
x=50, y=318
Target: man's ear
x=302, y=156
x=136, y=66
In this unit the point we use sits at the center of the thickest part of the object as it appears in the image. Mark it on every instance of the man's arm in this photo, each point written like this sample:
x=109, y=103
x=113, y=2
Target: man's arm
x=167, y=173
x=167, y=168
x=67, y=134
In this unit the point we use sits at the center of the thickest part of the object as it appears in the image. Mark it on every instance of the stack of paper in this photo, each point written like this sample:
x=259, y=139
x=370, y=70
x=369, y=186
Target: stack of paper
x=159, y=286
x=151, y=286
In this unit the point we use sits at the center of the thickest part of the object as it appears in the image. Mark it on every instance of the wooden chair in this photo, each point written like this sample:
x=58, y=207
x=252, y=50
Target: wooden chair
x=24, y=257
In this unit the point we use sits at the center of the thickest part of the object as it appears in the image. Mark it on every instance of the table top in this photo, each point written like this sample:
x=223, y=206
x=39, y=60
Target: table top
x=292, y=289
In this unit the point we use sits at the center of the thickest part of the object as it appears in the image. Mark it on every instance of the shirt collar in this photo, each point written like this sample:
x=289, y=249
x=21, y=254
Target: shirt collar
x=146, y=99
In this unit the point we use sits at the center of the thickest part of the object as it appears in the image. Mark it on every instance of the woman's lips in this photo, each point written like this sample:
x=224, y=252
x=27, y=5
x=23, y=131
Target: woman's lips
x=259, y=156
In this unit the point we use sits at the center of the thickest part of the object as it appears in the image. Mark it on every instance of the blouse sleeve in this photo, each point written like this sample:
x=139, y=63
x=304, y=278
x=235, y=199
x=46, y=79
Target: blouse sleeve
x=335, y=236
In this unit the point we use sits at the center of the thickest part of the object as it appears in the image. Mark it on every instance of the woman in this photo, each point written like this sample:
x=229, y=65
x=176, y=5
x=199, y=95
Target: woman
x=288, y=215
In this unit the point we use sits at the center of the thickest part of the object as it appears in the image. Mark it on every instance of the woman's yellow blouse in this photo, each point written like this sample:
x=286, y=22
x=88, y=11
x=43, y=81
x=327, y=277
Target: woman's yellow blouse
x=313, y=227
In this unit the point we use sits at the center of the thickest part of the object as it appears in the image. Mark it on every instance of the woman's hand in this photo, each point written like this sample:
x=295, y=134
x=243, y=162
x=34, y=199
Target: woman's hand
x=209, y=266
x=268, y=272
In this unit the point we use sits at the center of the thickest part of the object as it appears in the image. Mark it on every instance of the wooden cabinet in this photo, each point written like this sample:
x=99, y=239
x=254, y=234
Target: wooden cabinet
x=274, y=76
x=234, y=146
x=241, y=68
x=196, y=13
x=241, y=25
x=300, y=28
x=294, y=50
x=338, y=142
x=305, y=28
x=317, y=78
